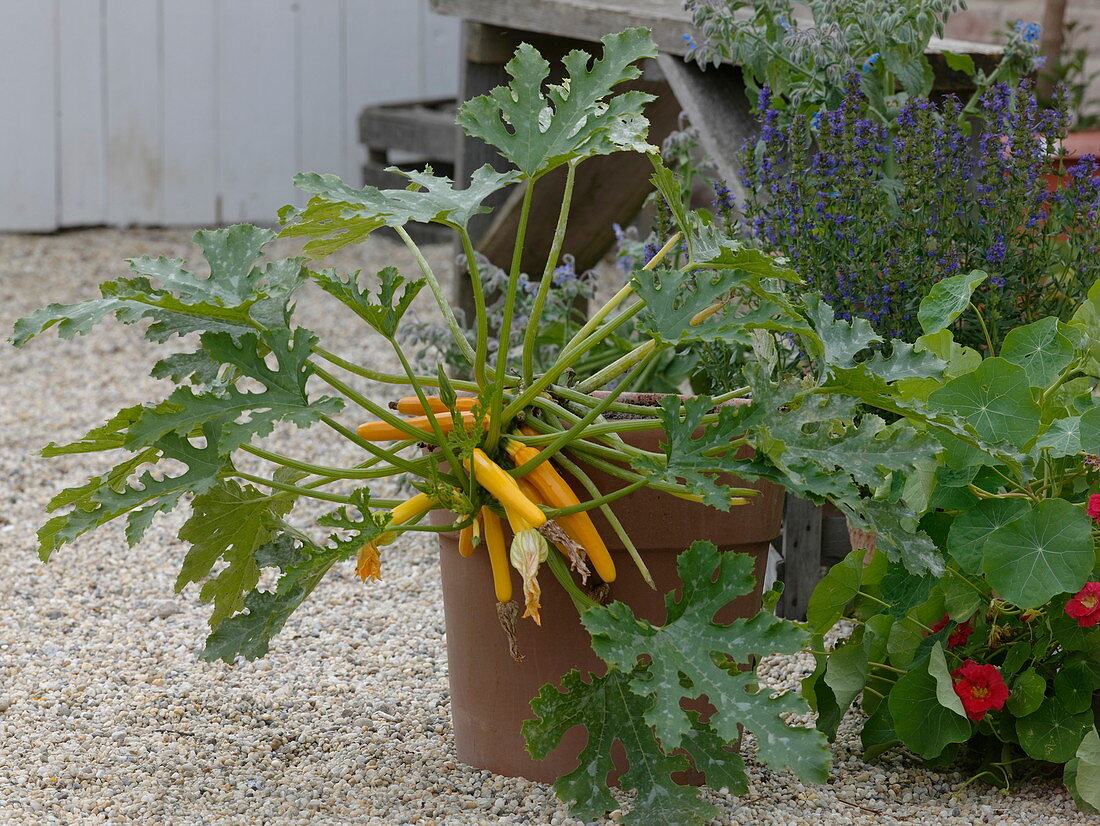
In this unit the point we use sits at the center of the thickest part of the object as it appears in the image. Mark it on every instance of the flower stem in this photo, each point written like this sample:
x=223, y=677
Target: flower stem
x=505, y=336
x=581, y=601
x=481, y=318
x=612, y=520
x=548, y=274
x=440, y=299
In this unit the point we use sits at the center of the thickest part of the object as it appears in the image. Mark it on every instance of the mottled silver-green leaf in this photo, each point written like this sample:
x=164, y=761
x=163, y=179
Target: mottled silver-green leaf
x=228, y=522
x=538, y=126
x=678, y=668
x=612, y=713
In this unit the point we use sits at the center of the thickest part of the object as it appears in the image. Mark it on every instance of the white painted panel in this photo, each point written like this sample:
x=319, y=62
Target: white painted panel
x=322, y=88
x=383, y=59
x=82, y=149
x=28, y=99
x=439, y=42
x=135, y=150
x=157, y=111
x=256, y=112
x=190, y=112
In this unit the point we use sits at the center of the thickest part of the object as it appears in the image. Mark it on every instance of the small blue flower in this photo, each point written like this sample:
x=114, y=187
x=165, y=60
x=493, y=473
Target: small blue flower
x=690, y=42
x=869, y=62
x=1029, y=32
x=782, y=21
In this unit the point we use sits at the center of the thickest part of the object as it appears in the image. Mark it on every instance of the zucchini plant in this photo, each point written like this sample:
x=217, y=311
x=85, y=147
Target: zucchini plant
x=486, y=448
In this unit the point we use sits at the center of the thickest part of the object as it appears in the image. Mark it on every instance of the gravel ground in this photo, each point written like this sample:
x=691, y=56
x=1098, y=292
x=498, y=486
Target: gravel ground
x=108, y=716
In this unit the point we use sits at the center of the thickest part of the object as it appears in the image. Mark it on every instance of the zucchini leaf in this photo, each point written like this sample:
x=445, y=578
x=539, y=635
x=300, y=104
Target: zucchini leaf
x=637, y=703
x=539, y=130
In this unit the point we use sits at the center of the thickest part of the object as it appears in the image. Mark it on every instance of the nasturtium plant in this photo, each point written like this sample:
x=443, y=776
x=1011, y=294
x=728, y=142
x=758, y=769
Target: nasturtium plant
x=1010, y=623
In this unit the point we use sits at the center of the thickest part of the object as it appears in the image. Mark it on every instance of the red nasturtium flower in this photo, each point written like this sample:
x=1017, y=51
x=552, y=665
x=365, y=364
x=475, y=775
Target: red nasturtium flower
x=980, y=687
x=1085, y=605
x=957, y=637
x=1094, y=506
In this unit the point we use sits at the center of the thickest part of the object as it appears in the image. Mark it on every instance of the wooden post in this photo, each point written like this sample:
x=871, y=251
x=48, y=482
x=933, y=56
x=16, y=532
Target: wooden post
x=801, y=556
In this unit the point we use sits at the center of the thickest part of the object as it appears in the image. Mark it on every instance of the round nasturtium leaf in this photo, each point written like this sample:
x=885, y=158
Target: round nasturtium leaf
x=996, y=400
x=1026, y=694
x=920, y=719
x=836, y=589
x=1039, y=348
x=1044, y=552
x=1082, y=774
x=947, y=299
x=1053, y=733
x=974, y=525
x=1090, y=431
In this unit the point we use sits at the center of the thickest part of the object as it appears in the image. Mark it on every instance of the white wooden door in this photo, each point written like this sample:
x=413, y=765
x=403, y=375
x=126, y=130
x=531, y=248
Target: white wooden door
x=154, y=112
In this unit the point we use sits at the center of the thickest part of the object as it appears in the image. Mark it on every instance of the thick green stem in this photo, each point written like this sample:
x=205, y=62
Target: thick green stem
x=601, y=332
x=602, y=499
x=548, y=274
x=585, y=331
x=389, y=454
x=373, y=408
x=612, y=520
x=575, y=432
x=283, y=486
x=624, y=292
x=448, y=453
x=332, y=473
x=636, y=356
x=440, y=299
x=456, y=526
x=481, y=319
x=495, y=423
x=581, y=601
x=359, y=370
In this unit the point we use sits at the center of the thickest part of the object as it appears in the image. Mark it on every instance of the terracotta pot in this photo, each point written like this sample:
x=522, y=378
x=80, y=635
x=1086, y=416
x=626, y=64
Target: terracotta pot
x=1074, y=146
x=491, y=693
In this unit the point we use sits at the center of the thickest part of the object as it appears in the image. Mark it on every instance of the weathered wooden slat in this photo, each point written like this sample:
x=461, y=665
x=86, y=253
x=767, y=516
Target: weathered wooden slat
x=256, y=174
x=579, y=19
x=322, y=89
x=590, y=20
x=422, y=128
x=801, y=556
x=716, y=105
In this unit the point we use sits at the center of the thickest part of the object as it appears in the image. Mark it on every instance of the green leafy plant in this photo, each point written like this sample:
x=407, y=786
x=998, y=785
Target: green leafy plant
x=803, y=50
x=992, y=652
x=465, y=437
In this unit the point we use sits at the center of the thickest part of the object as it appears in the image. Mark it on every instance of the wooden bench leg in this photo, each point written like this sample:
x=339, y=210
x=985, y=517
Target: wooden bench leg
x=801, y=556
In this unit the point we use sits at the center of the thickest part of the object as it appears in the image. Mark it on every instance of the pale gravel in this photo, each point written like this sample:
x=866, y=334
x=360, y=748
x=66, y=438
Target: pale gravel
x=108, y=716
